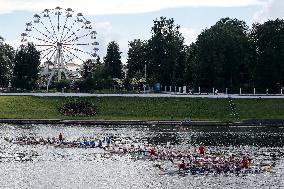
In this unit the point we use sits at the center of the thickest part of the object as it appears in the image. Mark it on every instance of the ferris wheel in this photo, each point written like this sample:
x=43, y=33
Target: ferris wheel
x=61, y=36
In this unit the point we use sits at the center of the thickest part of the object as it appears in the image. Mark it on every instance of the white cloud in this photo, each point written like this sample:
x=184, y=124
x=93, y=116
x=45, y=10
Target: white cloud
x=106, y=34
x=15, y=43
x=190, y=35
x=98, y=7
x=272, y=9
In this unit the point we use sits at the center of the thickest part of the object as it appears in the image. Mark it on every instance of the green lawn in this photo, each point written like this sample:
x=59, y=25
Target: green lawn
x=135, y=108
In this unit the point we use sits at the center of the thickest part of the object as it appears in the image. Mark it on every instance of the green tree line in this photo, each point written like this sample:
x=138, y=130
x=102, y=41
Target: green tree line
x=20, y=68
x=228, y=54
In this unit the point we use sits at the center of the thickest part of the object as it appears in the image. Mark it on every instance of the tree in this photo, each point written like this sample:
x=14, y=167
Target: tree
x=138, y=58
x=96, y=80
x=167, y=53
x=112, y=61
x=62, y=85
x=98, y=60
x=6, y=63
x=191, y=74
x=27, y=61
x=101, y=78
x=268, y=39
x=222, y=55
x=88, y=68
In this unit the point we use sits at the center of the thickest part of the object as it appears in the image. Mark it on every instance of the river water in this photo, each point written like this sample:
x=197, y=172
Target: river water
x=44, y=166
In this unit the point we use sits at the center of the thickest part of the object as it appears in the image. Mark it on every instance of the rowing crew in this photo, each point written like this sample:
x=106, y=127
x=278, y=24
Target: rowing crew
x=198, y=161
x=162, y=152
x=60, y=141
x=217, y=165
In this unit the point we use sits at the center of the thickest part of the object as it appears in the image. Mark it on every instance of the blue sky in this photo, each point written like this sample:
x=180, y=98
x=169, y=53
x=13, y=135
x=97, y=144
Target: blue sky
x=125, y=20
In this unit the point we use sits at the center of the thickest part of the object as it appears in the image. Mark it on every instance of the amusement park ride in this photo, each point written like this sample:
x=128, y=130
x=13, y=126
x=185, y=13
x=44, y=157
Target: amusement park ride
x=61, y=36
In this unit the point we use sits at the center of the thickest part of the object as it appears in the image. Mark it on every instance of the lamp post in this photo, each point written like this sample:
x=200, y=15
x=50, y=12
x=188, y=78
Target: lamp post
x=145, y=72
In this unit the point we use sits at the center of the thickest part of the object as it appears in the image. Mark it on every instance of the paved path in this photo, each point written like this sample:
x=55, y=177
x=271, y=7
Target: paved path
x=146, y=95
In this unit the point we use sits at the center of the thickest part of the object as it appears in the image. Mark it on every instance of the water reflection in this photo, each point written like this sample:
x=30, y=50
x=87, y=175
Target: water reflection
x=43, y=166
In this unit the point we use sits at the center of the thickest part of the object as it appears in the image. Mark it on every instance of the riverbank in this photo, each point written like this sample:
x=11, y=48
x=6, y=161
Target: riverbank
x=181, y=110
x=255, y=123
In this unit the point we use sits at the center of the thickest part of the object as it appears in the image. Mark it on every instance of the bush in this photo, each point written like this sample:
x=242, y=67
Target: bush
x=62, y=84
x=78, y=108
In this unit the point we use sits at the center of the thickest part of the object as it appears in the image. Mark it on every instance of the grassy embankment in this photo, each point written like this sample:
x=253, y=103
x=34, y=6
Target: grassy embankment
x=134, y=108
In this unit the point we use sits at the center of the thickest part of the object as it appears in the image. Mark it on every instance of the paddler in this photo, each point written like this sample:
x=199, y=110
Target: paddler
x=100, y=144
x=201, y=149
x=60, y=138
x=245, y=162
x=152, y=152
x=181, y=166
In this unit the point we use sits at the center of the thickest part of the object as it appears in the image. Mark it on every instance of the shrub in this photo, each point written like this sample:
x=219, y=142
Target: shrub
x=78, y=108
x=59, y=85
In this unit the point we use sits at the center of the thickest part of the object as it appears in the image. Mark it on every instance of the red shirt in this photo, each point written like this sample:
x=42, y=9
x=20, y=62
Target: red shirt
x=245, y=163
x=60, y=136
x=152, y=151
x=201, y=149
